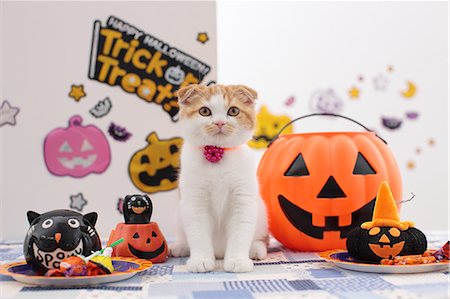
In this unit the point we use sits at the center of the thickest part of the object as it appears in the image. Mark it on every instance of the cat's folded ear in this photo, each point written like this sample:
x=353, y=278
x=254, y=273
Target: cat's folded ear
x=247, y=94
x=187, y=93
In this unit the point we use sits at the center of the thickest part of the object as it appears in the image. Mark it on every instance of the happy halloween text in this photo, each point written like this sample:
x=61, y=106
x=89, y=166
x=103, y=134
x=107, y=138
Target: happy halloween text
x=140, y=63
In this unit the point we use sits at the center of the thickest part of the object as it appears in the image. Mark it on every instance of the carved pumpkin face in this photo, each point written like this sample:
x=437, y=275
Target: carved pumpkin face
x=155, y=167
x=319, y=186
x=267, y=127
x=143, y=241
x=379, y=243
x=385, y=236
x=76, y=151
x=174, y=75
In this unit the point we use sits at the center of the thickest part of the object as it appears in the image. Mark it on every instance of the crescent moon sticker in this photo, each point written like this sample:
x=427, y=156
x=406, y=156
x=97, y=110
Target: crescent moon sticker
x=411, y=91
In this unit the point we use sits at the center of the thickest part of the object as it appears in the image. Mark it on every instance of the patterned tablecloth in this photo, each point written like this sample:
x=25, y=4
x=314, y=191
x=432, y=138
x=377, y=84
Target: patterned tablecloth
x=284, y=274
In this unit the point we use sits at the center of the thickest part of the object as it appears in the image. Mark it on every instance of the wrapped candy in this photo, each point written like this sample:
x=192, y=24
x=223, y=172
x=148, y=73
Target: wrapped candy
x=443, y=253
x=71, y=266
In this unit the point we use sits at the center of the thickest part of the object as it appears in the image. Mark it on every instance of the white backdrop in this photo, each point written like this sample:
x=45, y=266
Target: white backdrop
x=297, y=48
x=45, y=47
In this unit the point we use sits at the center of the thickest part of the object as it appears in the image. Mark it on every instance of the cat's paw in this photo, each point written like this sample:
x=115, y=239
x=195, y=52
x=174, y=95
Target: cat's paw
x=238, y=265
x=258, y=250
x=200, y=264
x=178, y=250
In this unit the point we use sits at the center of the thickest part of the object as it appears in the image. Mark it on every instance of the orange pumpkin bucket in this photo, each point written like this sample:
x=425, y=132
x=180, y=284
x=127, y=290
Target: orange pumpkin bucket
x=319, y=186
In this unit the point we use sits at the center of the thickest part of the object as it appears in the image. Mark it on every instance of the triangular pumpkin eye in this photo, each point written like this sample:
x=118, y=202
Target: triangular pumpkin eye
x=136, y=236
x=362, y=166
x=297, y=168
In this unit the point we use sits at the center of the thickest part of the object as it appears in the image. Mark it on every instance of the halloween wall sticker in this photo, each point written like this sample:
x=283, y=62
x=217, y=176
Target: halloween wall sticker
x=267, y=127
x=77, y=150
x=154, y=168
x=142, y=64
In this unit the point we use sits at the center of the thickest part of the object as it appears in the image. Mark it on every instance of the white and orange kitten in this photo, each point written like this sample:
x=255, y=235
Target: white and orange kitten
x=222, y=215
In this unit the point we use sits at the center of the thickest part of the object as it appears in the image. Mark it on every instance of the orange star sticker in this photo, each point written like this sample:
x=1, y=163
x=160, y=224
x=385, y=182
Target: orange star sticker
x=410, y=165
x=77, y=92
x=353, y=92
x=202, y=37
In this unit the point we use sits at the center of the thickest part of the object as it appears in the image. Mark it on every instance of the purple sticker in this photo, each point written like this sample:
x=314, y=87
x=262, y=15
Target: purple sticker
x=290, y=101
x=391, y=123
x=120, y=205
x=118, y=133
x=412, y=115
x=325, y=101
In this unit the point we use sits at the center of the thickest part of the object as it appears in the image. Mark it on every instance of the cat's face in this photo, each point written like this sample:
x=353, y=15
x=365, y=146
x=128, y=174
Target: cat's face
x=217, y=115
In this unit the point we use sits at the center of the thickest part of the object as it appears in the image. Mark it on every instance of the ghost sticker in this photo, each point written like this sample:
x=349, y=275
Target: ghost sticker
x=101, y=108
x=77, y=150
x=326, y=101
x=154, y=168
x=267, y=127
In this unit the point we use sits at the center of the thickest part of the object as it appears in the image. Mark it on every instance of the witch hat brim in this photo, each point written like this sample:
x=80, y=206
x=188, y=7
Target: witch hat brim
x=385, y=212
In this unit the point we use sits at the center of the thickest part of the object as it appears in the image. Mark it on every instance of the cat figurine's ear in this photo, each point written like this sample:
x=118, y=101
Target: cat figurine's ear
x=150, y=207
x=31, y=215
x=185, y=94
x=91, y=217
x=247, y=94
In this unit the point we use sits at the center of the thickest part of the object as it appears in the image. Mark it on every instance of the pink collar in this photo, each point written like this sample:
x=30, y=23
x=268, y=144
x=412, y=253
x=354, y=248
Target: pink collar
x=214, y=154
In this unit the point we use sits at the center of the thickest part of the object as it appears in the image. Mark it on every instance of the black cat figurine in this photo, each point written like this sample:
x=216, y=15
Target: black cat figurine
x=137, y=209
x=58, y=234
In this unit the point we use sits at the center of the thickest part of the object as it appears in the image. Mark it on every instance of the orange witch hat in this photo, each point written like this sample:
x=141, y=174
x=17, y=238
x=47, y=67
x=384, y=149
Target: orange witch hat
x=385, y=212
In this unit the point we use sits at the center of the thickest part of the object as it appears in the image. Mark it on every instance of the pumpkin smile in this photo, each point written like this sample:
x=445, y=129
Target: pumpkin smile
x=147, y=254
x=168, y=172
x=387, y=250
x=78, y=161
x=302, y=220
x=262, y=137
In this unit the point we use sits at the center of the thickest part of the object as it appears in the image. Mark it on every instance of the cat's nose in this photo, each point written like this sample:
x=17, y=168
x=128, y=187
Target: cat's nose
x=57, y=237
x=220, y=124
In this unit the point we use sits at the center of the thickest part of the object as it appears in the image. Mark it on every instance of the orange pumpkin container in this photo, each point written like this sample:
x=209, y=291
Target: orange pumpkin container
x=142, y=238
x=319, y=186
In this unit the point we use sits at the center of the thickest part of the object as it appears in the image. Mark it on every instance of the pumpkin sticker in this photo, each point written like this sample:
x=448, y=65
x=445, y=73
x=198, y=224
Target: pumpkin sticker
x=267, y=127
x=77, y=150
x=154, y=168
x=319, y=186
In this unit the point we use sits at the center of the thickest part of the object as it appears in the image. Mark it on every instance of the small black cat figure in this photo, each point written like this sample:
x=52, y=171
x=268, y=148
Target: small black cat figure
x=58, y=234
x=137, y=209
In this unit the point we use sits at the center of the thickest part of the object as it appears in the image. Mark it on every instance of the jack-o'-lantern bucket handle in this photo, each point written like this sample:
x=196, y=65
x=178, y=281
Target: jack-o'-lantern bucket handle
x=322, y=114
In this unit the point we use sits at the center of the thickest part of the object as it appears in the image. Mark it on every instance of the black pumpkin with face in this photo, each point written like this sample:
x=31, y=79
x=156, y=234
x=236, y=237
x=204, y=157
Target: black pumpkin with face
x=137, y=209
x=58, y=234
x=382, y=242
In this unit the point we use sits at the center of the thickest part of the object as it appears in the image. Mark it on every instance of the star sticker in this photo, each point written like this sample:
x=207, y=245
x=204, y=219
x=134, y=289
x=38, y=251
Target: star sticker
x=8, y=114
x=431, y=141
x=410, y=165
x=380, y=82
x=353, y=92
x=202, y=37
x=77, y=202
x=77, y=92
x=390, y=68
